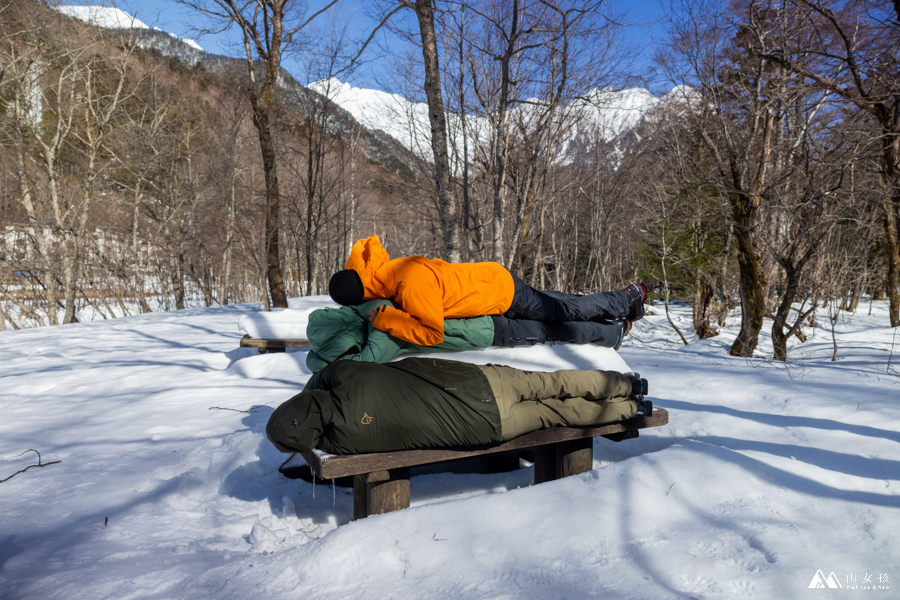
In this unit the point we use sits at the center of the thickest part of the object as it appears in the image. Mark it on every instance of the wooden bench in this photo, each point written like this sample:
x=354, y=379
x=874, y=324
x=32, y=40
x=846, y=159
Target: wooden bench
x=381, y=480
x=272, y=345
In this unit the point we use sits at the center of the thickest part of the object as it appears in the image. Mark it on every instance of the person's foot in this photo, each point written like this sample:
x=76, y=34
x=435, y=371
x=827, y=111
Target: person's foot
x=644, y=408
x=624, y=326
x=639, y=385
x=637, y=295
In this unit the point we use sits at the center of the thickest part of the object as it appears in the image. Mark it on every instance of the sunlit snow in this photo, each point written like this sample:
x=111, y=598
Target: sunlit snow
x=166, y=487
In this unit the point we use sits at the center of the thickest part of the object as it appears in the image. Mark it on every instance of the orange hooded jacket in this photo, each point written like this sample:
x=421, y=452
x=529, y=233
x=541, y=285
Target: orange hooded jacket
x=428, y=291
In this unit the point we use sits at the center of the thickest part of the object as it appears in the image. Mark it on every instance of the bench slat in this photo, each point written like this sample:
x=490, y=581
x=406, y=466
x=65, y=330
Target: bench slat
x=272, y=344
x=330, y=466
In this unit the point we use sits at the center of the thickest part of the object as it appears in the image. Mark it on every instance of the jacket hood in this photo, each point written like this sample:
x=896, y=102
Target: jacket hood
x=336, y=332
x=367, y=257
x=298, y=424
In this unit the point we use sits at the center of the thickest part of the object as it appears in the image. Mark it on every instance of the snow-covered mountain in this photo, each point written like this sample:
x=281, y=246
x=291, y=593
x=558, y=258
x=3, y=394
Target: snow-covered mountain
x=377, y=146
x=113, y=18
x=405, y=121
x=103, y=16
x=602, y=116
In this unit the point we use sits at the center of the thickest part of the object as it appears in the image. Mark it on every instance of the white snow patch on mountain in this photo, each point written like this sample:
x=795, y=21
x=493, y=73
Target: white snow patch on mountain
x=614, y=112
x=114, y=18
x=103, y=16
x=393, y=114
x=602, y=115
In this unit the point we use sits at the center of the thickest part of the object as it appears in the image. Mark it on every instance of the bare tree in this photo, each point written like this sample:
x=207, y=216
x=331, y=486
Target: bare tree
x=530, y=64
x=318, y=169
x=424, y=11
x=66, y=93
x=849, y=49
x=741, y=104
x=267, y=34
x=231, y=134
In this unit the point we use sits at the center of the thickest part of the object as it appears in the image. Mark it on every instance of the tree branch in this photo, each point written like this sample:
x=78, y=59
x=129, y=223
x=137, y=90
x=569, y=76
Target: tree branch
x=39, y=464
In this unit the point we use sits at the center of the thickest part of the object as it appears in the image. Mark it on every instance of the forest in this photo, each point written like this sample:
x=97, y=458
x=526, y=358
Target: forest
x=767, y=181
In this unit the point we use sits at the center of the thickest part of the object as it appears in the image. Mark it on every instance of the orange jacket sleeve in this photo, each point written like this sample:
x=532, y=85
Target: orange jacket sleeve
x=420, y=319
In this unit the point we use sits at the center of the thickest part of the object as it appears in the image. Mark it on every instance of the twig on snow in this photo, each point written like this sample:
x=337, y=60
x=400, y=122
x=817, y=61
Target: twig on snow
x=40, y=464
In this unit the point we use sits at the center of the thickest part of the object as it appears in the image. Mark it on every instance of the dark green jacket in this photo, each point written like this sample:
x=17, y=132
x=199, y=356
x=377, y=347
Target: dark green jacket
x=357, y=407
x=345, y=333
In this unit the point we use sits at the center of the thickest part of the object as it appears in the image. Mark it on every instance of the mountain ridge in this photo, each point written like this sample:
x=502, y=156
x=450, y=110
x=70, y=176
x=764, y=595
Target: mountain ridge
x=391, y=121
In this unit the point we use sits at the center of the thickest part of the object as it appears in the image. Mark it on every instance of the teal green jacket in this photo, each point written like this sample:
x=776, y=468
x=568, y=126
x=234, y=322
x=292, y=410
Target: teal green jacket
x=345, y=333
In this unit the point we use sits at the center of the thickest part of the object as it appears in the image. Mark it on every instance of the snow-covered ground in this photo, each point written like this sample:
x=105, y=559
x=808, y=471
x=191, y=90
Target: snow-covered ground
x=768, y=478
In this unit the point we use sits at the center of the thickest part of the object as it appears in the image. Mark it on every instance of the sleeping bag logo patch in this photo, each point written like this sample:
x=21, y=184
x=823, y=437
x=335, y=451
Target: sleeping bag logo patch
x=366, y=419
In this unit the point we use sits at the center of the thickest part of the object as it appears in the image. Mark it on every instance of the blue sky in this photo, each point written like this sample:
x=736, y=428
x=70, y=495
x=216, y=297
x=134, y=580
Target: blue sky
x=644, y=18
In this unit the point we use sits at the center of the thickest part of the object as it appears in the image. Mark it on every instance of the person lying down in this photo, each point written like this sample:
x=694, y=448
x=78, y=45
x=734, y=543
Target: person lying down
x=345, y=333
x=360, y=407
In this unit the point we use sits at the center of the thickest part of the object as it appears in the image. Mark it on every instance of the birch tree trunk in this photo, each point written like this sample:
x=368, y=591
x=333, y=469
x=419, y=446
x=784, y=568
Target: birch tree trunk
x=438, y=120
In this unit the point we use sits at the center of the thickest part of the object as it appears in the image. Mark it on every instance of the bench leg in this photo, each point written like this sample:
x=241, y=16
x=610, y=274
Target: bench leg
x=562, y=459
x=577, y=456
x=380, y=492
x=503, y=462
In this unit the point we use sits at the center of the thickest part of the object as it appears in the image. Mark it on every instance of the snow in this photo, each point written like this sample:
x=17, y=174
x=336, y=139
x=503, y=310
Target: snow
x=374, y=109
x=103, y=16
x=602, y=114
x=769, y=477
x=614, y=112
x=113, y=18
x=285, y=324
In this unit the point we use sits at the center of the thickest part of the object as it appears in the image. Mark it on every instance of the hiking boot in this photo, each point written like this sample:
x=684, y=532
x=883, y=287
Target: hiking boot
x=624, y=326
x=644, y=408
x=639, y=385
x=637, y=295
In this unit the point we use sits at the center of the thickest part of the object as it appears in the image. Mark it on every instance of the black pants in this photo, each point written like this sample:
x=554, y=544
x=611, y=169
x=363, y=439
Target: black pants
x=517, y=332
x=555, y=307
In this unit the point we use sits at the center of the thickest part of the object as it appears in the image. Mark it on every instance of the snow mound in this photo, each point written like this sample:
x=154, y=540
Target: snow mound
x=279, y=324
